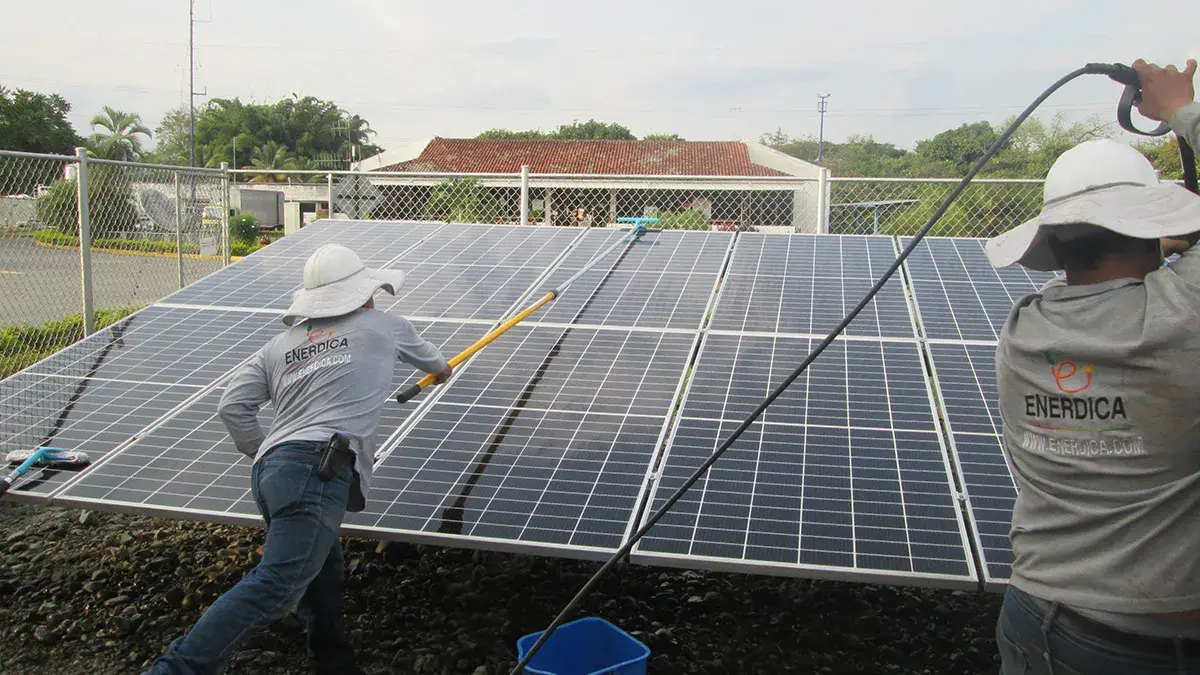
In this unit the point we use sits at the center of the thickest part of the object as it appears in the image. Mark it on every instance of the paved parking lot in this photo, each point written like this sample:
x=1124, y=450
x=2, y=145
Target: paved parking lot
x=38, y=284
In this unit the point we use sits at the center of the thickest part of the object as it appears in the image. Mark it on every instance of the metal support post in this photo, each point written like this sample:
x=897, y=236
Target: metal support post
x=179, y=228
x=225, y=201
x=524, y=194
x=329, y=179
x=822, y=200
x=85, y=239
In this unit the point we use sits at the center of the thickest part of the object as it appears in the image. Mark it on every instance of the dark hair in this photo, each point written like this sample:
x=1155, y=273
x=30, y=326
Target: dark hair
x=1090, y=250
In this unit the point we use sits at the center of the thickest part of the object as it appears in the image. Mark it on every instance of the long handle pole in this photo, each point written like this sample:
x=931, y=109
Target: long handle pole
x=409, y=392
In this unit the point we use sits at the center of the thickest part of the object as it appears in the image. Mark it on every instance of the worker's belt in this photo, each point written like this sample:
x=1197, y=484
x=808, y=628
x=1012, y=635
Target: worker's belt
x=1134, y=641
x=328, y=456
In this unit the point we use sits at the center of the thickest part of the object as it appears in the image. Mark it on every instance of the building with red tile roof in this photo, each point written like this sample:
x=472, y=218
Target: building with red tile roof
x=728, y=184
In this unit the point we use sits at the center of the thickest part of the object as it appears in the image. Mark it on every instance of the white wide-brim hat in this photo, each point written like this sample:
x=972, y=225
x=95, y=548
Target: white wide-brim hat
x=1097, y=184
x=336, y=282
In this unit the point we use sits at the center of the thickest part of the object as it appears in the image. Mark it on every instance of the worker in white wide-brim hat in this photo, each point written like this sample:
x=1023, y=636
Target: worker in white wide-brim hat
x=327, y=377
x=1098, y=378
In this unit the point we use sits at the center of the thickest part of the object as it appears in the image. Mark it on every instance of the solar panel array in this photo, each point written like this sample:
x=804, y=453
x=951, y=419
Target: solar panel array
x=845, y=476
x=963, y=303
x=566, y=433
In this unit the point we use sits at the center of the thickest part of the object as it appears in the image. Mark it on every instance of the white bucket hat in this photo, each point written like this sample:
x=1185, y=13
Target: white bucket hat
x=336, y=282
x=1103, y=184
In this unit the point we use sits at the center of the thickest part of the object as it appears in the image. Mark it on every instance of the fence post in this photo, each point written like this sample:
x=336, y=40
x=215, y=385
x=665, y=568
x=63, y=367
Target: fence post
x=524, y=194
x=822, y=200
x=85, y=239
x=329, y=181
x=179, y=228
x=225, y=201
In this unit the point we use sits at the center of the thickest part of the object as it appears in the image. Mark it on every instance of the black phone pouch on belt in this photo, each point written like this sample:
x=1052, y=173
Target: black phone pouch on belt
x=336, y=451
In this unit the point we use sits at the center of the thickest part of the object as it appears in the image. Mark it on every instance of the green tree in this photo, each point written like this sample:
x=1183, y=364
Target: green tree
x=268, y=159
x=958, y=149
x=1163, y=153
x=309, y=127
x=35, y=122
x=593, y=130
x=119, y=135
x=663, y=137
x=508, y=135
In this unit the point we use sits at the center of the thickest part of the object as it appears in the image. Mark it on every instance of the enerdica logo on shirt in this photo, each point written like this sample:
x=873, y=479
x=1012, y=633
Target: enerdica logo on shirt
x=320, y=341
x=1072, y=381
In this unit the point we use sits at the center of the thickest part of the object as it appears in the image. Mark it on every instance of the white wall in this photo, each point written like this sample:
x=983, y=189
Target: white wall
x=773, y=159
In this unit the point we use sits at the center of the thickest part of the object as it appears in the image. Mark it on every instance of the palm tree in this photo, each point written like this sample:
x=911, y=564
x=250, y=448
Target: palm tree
x=268, y=159
x=119, y=136
x=306, y=164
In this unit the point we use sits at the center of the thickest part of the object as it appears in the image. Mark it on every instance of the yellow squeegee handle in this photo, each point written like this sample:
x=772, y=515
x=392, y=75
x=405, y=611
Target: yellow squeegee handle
x=409, y=392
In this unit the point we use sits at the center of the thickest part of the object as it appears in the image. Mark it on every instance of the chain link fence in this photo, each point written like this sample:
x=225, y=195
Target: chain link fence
x=146, y=231
x=677, y=202
x=149, y=230
x=892, y=206
x=902, y=206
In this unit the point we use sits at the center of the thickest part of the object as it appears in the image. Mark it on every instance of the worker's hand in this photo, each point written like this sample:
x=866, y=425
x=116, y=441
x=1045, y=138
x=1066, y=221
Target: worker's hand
x=1172, y=246
x=444, y=375
x=1164, y=90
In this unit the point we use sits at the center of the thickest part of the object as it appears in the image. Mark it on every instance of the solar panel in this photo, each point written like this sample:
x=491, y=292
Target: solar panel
x=806, y=284
x=958, y=294
x=475, y=273
x=76, y=413
x=375, y=241
x=966, y=377
x=189, y=464
x=266, y=278
x=665, y=281
x=543, y=442
x=166, y=345
x=844, y=477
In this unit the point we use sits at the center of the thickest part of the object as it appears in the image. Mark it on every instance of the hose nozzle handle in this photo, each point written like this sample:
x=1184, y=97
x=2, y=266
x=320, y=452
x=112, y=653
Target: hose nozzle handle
x=1126, y=75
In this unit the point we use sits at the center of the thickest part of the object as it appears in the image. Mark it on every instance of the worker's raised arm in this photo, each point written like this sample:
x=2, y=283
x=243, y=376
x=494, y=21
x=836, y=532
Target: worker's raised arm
x=1169, y=95
x=246, y=392
x=416, y=351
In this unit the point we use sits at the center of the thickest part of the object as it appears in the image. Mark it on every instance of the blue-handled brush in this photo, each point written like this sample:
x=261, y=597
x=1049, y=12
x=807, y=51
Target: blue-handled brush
x=43, y=457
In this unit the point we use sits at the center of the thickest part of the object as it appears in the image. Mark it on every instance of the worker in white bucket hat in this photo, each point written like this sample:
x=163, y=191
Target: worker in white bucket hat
x=1098, y=379
x=327, y=378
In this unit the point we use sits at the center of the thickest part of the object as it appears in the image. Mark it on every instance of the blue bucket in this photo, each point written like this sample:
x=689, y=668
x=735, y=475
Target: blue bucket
x=588, y=646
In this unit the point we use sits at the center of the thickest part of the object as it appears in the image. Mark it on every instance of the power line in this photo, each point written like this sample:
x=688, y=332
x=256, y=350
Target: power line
x=689, y=110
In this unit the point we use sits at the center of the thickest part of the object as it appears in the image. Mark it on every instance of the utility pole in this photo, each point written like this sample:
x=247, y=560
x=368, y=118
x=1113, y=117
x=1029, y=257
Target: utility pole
x=821, y=136
x=191, y=83
x=192, y=94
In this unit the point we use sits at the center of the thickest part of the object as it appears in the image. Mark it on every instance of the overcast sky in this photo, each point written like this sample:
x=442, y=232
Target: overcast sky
x=704, y=69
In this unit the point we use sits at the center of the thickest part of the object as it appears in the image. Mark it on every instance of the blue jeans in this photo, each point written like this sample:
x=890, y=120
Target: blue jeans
x=301, y=566
x=1033, y=641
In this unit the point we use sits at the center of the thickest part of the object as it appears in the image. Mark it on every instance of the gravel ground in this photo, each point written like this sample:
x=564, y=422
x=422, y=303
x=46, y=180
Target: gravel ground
x=98, y=593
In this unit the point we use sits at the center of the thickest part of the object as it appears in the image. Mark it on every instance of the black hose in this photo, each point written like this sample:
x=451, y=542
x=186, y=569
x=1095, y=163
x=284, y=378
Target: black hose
x=1090, y=69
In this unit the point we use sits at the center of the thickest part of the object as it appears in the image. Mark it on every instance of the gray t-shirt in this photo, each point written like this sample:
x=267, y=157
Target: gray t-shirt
x=1099, y=390
x=324, y=376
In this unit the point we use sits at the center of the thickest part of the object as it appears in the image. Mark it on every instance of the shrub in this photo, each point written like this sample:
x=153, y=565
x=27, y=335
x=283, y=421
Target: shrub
x=110, y=203
x=244, y=228
x=56, y=207
x=462, y=200
x=236, y=248
x=681, y=220
x=23, y=345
